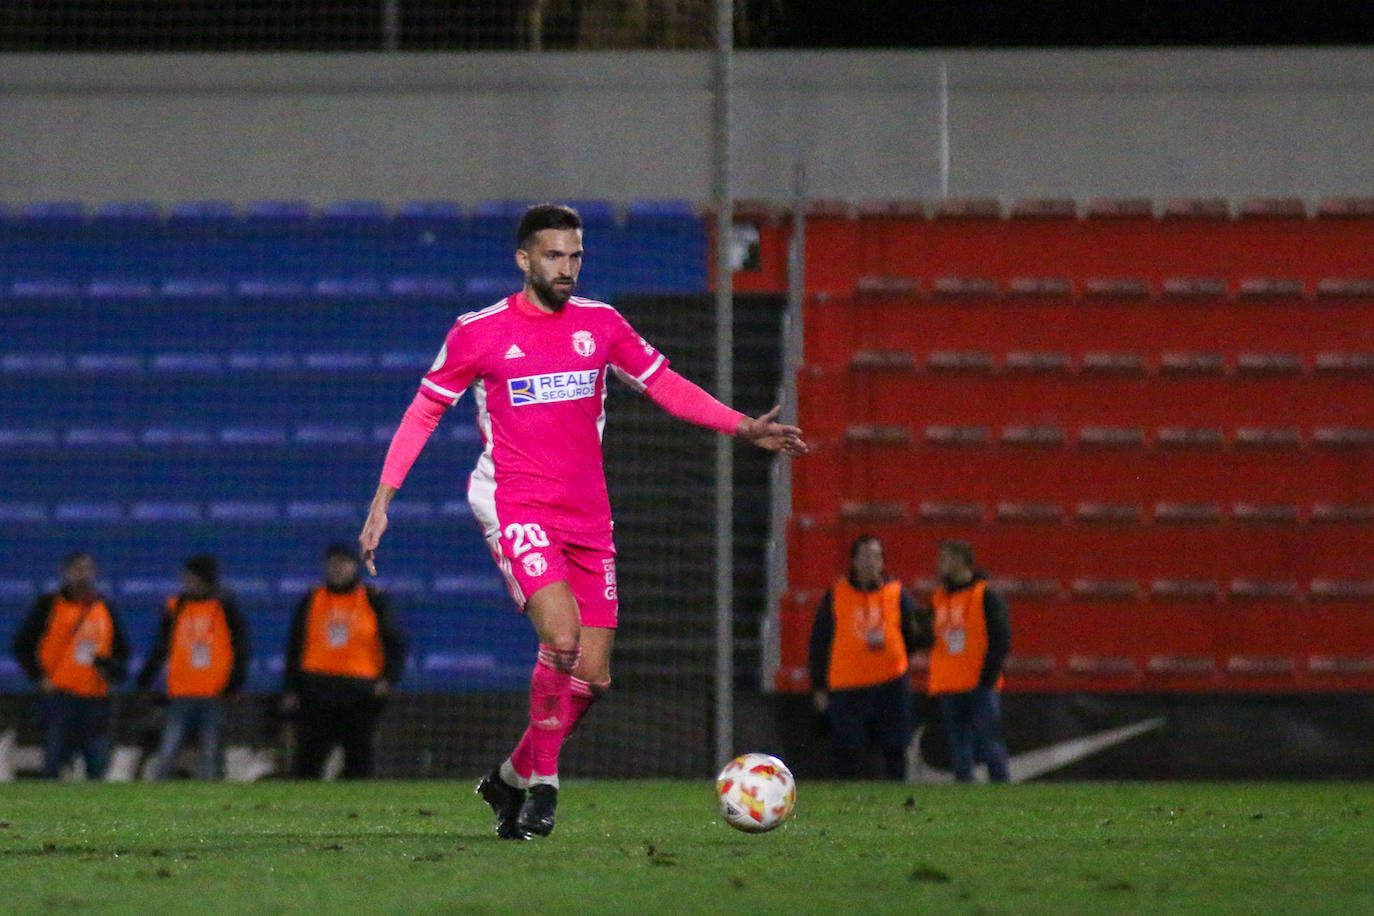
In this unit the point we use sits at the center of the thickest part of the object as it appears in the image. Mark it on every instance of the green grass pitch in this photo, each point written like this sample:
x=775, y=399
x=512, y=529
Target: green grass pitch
x=659, y=847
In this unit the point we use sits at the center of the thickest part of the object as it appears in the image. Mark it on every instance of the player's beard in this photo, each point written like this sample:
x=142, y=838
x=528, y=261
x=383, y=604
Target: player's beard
x=555, y=297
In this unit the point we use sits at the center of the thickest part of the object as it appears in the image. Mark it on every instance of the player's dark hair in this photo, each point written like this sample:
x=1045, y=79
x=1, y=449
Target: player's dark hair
x=960, y=549
x=545, y=216
x=860, y=541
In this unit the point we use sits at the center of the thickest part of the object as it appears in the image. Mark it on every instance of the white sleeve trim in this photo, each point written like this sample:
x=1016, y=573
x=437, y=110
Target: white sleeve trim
x=442, y=390
x=630, y=381
x=650, y=371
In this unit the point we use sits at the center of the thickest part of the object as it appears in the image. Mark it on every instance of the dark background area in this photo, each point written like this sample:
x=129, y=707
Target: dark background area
x=455, y=25
x=1047, y=23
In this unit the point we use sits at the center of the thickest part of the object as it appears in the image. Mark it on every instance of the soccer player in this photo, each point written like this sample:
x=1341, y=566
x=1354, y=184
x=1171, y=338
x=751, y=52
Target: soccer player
x=537, y=364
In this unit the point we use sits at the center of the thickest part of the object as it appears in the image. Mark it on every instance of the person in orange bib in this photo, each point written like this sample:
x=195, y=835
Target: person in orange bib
x=865, y=628
x=72, y=646
x=972, y=639
x=202, y=641
x=342, y=659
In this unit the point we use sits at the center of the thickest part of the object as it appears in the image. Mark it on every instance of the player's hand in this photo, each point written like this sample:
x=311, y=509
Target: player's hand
x=766, y=432
x=372, y=536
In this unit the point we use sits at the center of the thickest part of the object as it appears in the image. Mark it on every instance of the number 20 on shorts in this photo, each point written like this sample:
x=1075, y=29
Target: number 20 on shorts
x=524, y=538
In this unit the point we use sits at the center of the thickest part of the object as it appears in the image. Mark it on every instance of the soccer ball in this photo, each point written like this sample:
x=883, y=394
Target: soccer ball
x=756, y=792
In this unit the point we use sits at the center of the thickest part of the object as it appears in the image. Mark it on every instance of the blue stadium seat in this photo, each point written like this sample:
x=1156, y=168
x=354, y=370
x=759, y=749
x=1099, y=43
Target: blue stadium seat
x=666, y=210
x=28, y=438
x=277, y=211
x=128, y=214
x=272, y=288
x=64, y=212
x=17, y=589
x=45, y=288
x=253, y=371
x=195, y=288
x=594, y=212
x=203, y=211
x=493, y=287
x=441, y=210
x=423, y=287
x=320, y=510
x=244, y=511
x=348, y=287
x=19, y=512
x=509, y=210
x=104, y=437
x=356, y=214
x=177, y=435
x=151, y=587
x=107, y=511
x=33, y=363
x=108, y=363
x=166, y=512
x=186, y=362
x=121, y=288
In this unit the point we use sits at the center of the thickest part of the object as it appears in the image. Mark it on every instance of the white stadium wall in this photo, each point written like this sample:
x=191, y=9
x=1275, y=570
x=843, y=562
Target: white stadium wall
x=626, y=125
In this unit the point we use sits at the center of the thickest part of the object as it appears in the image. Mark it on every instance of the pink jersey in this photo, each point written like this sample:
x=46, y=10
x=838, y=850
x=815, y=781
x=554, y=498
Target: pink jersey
x=539, y=381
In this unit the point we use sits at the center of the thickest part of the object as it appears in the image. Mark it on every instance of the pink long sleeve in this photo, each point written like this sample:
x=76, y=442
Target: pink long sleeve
x=686, y=401
x=420, y=419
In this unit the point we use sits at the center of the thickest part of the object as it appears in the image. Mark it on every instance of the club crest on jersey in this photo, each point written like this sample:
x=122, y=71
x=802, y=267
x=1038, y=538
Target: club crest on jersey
x=584, y=343
x=535, y=564
x=553, y=387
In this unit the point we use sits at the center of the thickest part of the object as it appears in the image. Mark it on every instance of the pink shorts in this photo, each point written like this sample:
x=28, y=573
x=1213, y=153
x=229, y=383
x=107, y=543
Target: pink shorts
x=531, y=555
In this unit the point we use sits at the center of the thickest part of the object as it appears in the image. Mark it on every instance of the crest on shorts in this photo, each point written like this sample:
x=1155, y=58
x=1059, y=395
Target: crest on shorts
x=583, y=343
x=535, y=564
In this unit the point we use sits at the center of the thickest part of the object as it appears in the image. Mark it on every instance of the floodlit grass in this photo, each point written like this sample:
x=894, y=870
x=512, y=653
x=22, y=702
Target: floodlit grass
x=658, y=847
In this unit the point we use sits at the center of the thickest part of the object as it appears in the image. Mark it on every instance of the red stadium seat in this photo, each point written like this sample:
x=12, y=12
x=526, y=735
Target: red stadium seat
x=1346, y=208
x=1274, y=208
x=1206, y=208
x=1050, y=380
x=1121, y=208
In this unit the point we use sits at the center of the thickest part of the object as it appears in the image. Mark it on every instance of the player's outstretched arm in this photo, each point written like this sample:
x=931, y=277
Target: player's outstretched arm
x=766, y=432
x=686, y=401
x=375, y=526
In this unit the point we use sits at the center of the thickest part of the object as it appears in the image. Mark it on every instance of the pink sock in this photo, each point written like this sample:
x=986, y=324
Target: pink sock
x=550, y=713
x=581, y=699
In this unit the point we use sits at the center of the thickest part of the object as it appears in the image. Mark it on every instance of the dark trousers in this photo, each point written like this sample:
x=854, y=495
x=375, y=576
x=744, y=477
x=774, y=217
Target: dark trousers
x=973, y=722
x=879, y=715
x=74, y=725
x=346, y=717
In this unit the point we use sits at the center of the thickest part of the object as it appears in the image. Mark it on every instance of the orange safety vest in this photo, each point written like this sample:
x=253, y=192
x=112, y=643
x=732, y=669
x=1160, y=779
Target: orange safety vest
x=341, y=635
x=76, y=635
x=961, y=640
x=202, y=654
x=854, y=660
